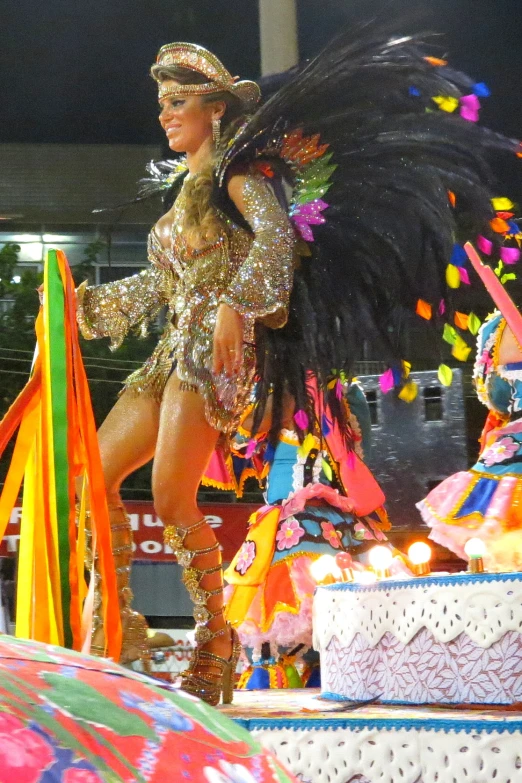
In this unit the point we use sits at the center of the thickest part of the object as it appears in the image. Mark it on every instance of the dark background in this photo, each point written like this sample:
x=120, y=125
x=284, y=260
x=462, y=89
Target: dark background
x=77, y=70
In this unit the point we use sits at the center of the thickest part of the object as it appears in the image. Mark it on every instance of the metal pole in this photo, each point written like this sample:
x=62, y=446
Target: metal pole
x=278, y=32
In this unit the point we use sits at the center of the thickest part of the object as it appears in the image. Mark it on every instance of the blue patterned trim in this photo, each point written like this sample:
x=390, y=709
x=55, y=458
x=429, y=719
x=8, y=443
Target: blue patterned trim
x=424, y=581
x=430, y=723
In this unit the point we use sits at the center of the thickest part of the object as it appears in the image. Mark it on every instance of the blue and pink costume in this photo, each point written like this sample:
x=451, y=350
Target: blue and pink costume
x=319, y=500
x=485, y=501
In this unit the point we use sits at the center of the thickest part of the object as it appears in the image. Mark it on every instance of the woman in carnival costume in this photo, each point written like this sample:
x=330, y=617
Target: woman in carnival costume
x=211, y=274
x=485, y=501
x=261, y=276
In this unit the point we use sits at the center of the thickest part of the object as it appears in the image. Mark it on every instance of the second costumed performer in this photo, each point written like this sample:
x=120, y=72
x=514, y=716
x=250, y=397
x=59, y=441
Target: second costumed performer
x=485, y=501
x=264, y=280
x=321, y=499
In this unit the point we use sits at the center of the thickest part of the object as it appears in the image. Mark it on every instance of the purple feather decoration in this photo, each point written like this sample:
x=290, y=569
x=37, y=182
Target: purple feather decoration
x=309, y=214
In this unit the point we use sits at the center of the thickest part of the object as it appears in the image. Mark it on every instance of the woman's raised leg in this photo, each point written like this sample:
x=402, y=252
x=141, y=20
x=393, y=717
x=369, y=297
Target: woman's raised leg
x=127, y=440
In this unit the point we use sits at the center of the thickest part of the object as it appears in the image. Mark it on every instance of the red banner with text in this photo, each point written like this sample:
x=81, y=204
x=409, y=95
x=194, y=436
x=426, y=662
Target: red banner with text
x=228, y=520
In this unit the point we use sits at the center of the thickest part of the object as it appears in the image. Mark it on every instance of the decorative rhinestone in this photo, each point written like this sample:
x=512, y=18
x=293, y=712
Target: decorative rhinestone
x=191, y=577
x=172, y=537
x=201, y=614
x=199, y=596
x=184, y=557
x=203, y=634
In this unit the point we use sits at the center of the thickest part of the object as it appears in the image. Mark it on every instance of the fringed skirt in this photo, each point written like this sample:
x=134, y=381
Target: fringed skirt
x=270, y=592
x=191, y=358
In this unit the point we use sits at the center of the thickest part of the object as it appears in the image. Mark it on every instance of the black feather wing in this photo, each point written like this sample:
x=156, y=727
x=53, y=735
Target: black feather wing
x=390, y=226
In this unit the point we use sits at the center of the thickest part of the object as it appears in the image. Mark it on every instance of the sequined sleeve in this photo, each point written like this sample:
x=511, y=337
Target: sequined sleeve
x=111, y=309
x=262, y=285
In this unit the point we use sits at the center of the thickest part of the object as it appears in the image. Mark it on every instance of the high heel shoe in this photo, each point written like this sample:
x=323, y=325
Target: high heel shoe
x=208, y=676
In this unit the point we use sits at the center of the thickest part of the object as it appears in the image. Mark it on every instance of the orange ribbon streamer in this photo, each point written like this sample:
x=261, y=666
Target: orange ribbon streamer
x=33, y=457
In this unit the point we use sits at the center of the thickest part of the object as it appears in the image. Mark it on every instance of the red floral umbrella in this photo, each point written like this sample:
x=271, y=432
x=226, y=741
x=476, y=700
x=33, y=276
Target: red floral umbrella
x=71, y=718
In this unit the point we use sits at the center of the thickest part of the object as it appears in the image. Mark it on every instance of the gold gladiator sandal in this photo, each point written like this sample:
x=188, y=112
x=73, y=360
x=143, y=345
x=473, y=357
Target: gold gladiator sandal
x=134, y=627
x=208, y=676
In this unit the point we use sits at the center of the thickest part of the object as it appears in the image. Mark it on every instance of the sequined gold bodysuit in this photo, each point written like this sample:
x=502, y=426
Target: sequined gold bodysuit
x=250, y=272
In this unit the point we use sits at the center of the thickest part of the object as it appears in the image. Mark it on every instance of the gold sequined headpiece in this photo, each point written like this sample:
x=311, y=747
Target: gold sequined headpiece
x=199, y=59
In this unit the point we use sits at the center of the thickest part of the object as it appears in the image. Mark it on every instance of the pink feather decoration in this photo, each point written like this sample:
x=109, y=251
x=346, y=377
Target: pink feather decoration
x=252, y=444
x=464, y=275
x=386, y=381
x=509, y=255
x=484, y=245
x=301, y=419
x=469, y=107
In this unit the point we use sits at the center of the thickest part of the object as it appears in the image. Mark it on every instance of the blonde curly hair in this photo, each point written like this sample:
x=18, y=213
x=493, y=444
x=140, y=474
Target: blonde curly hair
x=201, y=224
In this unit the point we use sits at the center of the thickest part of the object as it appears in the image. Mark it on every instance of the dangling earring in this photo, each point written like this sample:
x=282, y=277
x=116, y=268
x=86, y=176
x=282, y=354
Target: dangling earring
x=216, y=132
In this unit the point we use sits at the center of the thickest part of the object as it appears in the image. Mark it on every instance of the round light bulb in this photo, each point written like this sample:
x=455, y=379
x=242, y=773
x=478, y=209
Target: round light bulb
x=475, y=547
x=365, y=577
x=419, y=552
x=344, y=560
x=380, y=558
x=324, y=566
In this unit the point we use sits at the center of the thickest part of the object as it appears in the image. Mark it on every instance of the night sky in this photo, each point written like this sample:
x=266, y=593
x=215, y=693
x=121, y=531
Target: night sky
x=77, y=70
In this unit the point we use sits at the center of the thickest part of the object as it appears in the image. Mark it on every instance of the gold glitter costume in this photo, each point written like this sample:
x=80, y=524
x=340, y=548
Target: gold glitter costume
x=250, y=272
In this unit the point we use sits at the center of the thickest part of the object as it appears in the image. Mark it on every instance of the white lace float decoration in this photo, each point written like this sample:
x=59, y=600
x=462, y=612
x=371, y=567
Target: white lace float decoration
x=439, y=640
x=484, y=607
x=397, y=755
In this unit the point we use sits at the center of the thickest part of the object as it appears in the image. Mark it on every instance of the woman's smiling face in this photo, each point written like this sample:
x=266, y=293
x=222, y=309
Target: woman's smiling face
x=186, y=119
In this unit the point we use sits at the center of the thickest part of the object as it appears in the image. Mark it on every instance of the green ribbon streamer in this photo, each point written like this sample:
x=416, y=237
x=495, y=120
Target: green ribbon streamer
x=58, y=383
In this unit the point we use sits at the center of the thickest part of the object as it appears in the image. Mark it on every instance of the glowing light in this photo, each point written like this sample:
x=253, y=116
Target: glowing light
x=58, y=239
x=365, y=577
x=380, y=558
x=419, y=552
x=25, y=238
x=419, y=555
x=16, y=279
x=324, y=570
x=475, y=547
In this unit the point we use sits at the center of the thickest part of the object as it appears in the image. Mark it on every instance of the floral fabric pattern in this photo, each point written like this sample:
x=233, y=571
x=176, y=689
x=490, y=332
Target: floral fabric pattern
x=425, y=670
x=289, y=534
x=362, y=533
x=70, y=718
x=246, y=556
x=331, y=535
x=24, y=753
x=501, y=450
